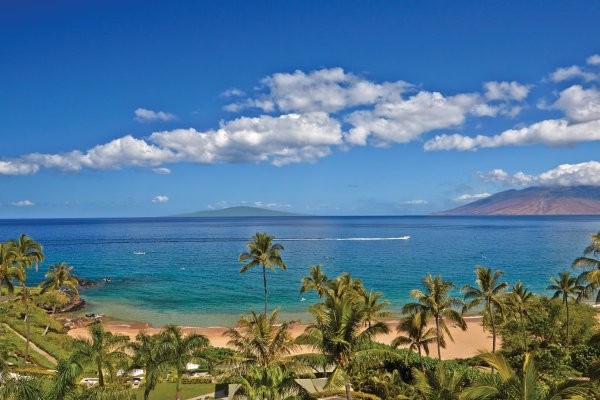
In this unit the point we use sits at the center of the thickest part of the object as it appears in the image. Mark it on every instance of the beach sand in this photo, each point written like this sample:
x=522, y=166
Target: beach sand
x=466, y=343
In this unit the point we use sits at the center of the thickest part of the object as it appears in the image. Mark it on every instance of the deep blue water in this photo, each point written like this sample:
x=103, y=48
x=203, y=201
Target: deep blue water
x=189, y=273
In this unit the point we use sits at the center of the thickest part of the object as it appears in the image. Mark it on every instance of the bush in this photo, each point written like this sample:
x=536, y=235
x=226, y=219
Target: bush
x=355, y=395
x=196, y=379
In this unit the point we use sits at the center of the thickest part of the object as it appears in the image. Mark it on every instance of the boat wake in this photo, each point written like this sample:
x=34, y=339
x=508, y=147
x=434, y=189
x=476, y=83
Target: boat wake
x=348, y=239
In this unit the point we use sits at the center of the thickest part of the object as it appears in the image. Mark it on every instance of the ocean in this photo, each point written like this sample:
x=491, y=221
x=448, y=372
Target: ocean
x=186, y=270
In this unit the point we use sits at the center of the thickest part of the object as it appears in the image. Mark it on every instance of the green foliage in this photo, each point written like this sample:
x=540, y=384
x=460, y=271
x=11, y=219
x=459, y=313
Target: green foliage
x=341, y=393
x=196, y=379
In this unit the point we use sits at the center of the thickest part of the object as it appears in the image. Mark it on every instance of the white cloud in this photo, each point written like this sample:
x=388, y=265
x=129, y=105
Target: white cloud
x=572, y=72
x=505, y=91
x=145, y=115
x=160, y=199
x=326, y=90
x=579, y=104
x=23, y=203
x=471, y=197
x=417, y=202
x=586, y=173
x=17, y=168
x=550, y=133
x=233, y=92
x=288, y=138
x=161, y=171
x=594, y=60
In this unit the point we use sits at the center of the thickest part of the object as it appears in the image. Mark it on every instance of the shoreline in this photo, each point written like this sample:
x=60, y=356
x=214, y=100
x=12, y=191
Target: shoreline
x=467, y=343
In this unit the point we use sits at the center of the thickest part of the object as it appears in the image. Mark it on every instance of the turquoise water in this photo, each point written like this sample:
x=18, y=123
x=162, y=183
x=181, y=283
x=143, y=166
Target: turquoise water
x=189, y=273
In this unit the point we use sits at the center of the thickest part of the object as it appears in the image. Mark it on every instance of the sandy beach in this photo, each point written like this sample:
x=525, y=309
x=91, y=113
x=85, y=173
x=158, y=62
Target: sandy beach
x=466, y=343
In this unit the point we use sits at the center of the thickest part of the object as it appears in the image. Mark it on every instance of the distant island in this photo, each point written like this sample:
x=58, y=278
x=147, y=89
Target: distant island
x=538, y=200
x=239, y=212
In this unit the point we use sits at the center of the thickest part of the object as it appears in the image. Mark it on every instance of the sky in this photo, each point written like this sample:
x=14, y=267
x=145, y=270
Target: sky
x=154, y=108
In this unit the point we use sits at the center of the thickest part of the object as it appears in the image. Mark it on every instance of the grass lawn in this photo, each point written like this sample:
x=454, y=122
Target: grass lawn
x=17, y=343
x=166, y=390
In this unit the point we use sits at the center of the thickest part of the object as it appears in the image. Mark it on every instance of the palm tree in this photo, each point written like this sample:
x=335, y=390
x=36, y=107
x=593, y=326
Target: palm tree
x=374, y=308
x=520, y=304
x=20, y=388
x=417, y=335
x=25, y=253
x=435, y=301
x=178, y=350
x=104, y=351
x=262, y=340
x=338, y=334
x=565, y=287
x=145, y=355
x=489, y=292
x=441, y=383
x=8, y=272
x=267, y=383
x=59, y=276
x=592, y=277
x=64, y=382
x=25, y=296
x=524, y=384
x=262, y=251
x=316, y=280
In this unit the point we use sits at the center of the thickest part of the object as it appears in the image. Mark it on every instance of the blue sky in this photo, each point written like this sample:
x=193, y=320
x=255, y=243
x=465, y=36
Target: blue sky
x=131, y=108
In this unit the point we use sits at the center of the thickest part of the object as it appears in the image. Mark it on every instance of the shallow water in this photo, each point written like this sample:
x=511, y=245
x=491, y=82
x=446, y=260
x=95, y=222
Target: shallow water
x=185, y=270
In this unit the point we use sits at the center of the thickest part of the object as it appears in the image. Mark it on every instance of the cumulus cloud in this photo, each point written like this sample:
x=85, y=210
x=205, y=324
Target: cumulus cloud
x=17, y=168
x=471, y=197
x=594, y=60
x=161, y=171
x=233, y=92
x=146, y=115
x=557, y=132
x=23, y=203
x=505, y=91
x=585, y=173
x=572, y=72
x=579, y=104
x=160, y=199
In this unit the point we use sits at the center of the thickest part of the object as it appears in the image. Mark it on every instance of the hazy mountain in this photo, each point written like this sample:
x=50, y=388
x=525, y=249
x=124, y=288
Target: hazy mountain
x=239, y=212
x=561, y=200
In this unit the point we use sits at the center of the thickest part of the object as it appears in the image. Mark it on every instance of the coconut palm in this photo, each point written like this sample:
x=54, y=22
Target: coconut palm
x=437, y=302
x=20, y=388
x=25, y=296
x=267, y=383
x=441, y=383
x=591, y=277
x=487, y=292
x=59, y=277
x=338, y=334
x=261, y=340
x=145, y=356
x=178, y=350
x=565, y=287
x=520, y=305
x=8, y=272
x=104, y=351
x=524, y=384
x=262, y=251
x=374, y=308
x=316, y=280
x=417, y=335
x=64, y=382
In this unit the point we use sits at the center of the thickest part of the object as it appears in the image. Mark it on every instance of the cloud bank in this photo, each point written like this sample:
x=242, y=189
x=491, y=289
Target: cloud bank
x=586, y=173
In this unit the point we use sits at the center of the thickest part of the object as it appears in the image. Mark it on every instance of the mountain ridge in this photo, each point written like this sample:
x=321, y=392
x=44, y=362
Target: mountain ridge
x=535, y=200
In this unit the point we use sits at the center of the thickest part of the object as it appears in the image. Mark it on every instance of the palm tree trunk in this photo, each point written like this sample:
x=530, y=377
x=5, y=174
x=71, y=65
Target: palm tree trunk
x=524, y=333
x=146, y=393
x=348, y=392
x=567, y=305
x=27, y=332
x=178, y=388
x=421, y=358
x=48, y=325
x=437, y=339
x=493, y=328
x=265, y=284
x=100, y=374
